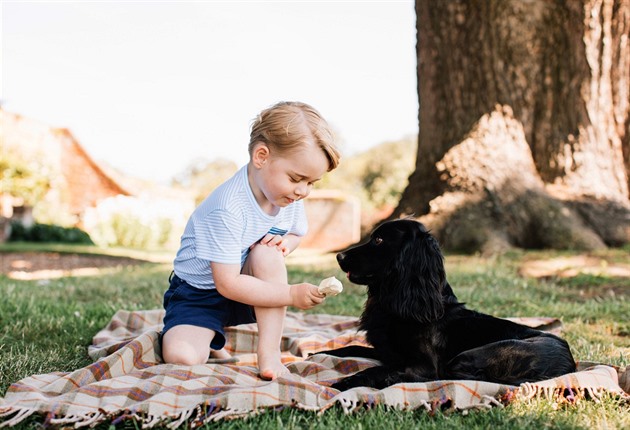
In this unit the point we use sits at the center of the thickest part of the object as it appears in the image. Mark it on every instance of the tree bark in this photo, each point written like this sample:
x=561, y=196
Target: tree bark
x=524, y=123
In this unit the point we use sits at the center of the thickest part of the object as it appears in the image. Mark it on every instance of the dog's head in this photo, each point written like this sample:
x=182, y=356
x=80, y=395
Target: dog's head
x=403, y=267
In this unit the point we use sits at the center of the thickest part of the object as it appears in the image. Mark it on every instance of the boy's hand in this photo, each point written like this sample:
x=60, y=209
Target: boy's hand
x=306, y=296
x=277, y=241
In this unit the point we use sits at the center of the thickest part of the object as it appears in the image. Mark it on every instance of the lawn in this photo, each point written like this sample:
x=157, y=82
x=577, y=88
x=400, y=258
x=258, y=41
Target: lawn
x=47, y=326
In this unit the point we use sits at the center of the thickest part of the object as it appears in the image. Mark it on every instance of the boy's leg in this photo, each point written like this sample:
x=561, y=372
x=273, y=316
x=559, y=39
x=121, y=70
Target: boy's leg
x=267, y=263
x=187, y=344
x=270, y=324
x=220, y=353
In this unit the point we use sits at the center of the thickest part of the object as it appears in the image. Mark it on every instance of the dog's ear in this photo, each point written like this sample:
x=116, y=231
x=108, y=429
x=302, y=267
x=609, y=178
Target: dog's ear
x=421, y=279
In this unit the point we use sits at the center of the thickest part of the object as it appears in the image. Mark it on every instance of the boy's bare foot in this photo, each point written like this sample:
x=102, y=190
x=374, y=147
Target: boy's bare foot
x=271, y=367
x=220, y=353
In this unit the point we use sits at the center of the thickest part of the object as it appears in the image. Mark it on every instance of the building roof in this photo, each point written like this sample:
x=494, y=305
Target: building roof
x=75, y=177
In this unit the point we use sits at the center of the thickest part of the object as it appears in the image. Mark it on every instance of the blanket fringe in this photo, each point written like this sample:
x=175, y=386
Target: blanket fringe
x=351, y=405
x=231, y=413
x=487, y=402
x=97, y=417
x=198, y=416
x=565, y=392
x=348, y=405
x=181, y=420
x=20, y=415
x=528, y=391
x=77, y=420
x=14, y=416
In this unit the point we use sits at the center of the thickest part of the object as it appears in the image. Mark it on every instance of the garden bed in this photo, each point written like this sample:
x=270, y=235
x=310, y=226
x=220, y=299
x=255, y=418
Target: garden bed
x=47, y=265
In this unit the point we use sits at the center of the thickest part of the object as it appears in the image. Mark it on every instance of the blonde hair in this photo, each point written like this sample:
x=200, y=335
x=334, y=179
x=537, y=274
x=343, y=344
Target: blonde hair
x=286, y=126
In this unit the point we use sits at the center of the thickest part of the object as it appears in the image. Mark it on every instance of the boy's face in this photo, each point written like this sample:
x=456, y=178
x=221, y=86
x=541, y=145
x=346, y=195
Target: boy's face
x=283, y=179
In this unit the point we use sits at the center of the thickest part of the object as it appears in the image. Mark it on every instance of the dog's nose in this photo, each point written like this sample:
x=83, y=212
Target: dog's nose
x=340, y=257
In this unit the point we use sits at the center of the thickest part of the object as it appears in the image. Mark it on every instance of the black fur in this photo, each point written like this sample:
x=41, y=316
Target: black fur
x=420, y=332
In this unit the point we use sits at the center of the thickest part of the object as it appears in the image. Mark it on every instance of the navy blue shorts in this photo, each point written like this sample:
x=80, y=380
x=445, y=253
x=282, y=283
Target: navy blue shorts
x=185, y=304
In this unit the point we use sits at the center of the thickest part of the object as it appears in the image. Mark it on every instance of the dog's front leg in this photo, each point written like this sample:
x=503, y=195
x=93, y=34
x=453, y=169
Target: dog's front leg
x=351, y=351
x=371, y=377
x=382, y=377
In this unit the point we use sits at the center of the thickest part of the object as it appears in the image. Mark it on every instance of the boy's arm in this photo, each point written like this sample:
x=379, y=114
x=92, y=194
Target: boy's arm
x=291, y=241
x=231, y=283
x=286, y=244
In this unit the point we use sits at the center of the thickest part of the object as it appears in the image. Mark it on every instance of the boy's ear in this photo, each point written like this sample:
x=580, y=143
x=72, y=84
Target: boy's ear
x=260, y=155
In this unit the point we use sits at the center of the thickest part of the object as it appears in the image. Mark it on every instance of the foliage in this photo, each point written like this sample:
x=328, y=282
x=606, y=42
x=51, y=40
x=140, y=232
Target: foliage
x=204, y=176
x=136, y=222
x=378, y=176
x=48, y=325
x=48, y=233
x=29, y=180
x=30, y=176
x=51, y=210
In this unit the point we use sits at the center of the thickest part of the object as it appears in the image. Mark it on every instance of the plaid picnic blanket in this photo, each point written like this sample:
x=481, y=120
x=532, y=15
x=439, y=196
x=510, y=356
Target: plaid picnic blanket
x=129, y=381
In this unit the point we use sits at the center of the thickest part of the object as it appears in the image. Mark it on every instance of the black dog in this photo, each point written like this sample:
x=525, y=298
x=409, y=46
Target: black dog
x=420, y=332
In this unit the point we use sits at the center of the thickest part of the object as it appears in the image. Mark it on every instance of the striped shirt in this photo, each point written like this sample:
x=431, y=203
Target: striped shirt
x=225, y=225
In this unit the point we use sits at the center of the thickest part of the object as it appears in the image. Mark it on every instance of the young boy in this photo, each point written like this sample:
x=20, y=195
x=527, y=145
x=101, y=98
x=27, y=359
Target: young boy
x=230, y=267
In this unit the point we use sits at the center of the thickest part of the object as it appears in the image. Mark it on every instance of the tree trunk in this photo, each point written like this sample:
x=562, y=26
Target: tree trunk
x=524, y=123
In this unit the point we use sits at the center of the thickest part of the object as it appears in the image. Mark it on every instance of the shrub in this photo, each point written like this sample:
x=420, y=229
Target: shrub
x=48, y=233
x=377, y=176
x=137, y=222
x=23, y=178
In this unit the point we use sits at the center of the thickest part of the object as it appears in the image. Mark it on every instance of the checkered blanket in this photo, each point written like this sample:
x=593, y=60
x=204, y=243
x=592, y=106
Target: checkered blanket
x=129, y=381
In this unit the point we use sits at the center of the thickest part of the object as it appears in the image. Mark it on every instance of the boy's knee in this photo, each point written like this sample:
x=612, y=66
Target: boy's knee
x=178, y=347
x=184, y=356
x=263, y=254
x=264, y=261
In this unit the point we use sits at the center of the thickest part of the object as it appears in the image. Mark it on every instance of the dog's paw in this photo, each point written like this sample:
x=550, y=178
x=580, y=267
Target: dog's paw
x=326, y=351
x=344, y=384
x=357, y=380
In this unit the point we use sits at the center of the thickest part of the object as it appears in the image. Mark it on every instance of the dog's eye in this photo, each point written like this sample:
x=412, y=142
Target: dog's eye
x=377, y=240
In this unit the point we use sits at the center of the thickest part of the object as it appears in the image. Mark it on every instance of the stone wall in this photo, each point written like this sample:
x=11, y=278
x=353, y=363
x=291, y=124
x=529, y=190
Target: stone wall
x=334, y=220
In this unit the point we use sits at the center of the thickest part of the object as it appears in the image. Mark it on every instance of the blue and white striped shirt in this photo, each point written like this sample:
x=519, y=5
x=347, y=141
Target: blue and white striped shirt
x=225, y=225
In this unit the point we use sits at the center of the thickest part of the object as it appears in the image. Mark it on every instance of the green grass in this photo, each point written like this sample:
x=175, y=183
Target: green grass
x=46, y=326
